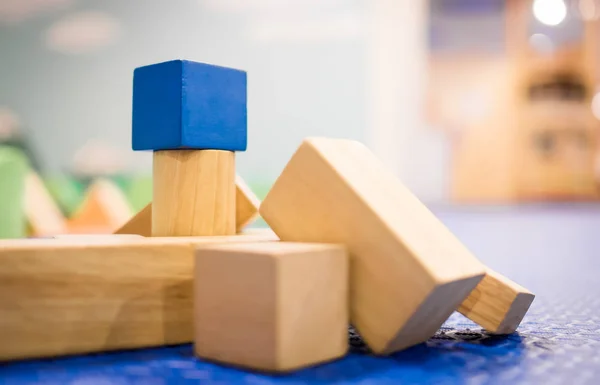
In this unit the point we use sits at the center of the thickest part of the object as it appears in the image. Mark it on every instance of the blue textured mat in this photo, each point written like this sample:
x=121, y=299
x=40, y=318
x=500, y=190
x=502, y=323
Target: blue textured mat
x=554, y=251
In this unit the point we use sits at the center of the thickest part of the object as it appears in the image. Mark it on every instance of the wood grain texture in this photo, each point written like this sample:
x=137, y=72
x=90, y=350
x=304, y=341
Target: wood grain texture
x=246, y=210
x=497, y=304
x=409, y=273
x=193, y=193
x=67, y=296
x=44, y=217
x=97, y=237
x=271, y=306
x=104, y=208
x=77, y=298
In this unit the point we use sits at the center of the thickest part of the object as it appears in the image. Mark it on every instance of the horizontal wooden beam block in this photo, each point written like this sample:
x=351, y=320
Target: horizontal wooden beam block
x=497, y=304
x=274, y=306
x=408, y=271
x=64, y=296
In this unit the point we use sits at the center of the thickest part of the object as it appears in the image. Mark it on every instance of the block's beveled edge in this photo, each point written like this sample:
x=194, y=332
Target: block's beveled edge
x=115, y=240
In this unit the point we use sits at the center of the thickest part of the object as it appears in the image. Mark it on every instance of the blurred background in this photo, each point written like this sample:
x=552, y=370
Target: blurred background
x=490, y=102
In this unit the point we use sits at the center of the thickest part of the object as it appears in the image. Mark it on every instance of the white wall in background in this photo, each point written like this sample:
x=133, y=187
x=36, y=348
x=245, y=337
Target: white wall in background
x=396, y=53
x=350, y=68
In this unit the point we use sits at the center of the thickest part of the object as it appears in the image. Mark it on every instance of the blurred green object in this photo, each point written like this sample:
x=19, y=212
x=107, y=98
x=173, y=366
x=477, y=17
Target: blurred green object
x=14, y=167
x=67, y=191
x=123, y=181
x=260, y=187
x=139, y=192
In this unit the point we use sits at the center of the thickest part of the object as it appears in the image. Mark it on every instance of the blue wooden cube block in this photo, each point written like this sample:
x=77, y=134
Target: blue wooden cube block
x=187, y=105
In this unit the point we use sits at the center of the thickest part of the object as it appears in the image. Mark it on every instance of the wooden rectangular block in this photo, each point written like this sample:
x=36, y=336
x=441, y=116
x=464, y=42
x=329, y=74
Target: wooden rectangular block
x=497, y=304
x=246, y=210
x=409, y=272
x=61, y=297
x=271, y=306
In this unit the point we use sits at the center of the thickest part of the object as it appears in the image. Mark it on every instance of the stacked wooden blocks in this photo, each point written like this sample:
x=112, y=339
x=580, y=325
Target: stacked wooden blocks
x=349, y=244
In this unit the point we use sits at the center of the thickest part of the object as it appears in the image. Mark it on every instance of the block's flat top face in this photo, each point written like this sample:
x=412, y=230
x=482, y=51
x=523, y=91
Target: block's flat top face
x=553, y=251
x=182, y=104
x=274, y=248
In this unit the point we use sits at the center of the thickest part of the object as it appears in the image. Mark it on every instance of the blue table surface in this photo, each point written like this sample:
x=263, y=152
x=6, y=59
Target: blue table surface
x=552, y=250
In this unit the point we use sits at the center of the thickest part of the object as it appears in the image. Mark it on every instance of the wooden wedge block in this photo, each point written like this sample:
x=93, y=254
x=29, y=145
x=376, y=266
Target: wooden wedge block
x=271, y=306
x=140, y=223
x=409, y=273
x=104, y=208
x=246, y=210
x=497, y=304
x=43, y=214
x=246, y=204
x=63, y=296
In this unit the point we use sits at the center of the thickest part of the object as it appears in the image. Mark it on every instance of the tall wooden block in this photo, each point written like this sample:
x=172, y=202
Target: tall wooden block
x=271, y=306
x=193, y=193
x=497, y=304
x=409, y=273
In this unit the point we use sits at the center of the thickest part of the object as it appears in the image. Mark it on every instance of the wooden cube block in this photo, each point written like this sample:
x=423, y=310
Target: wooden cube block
x=497, y=304
x=409, y=273
x=272, y=306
